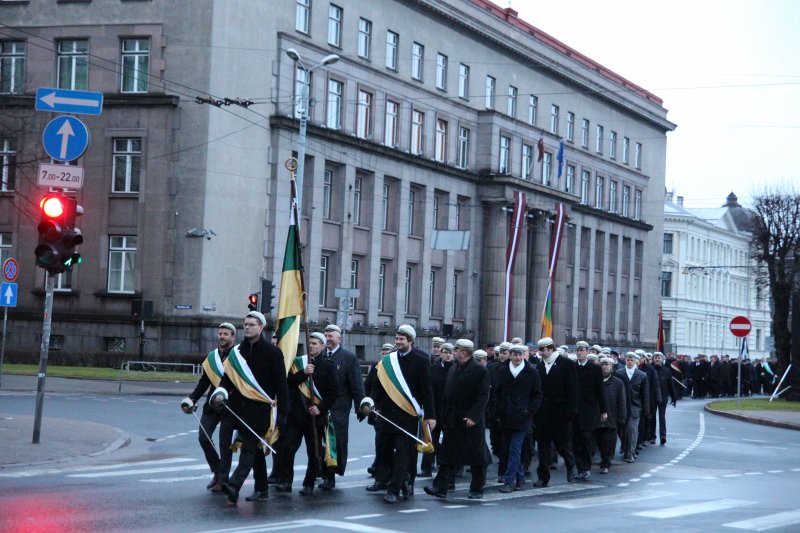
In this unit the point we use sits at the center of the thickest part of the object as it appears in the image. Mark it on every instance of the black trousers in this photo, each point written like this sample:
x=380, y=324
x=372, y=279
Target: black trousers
x=220, y=466
x=447, y=474
x=560, y=434
x=295, y=432
x=606, y=441
x=662, y=420
x=583, y=445
x=250, y=458
x=394, y=452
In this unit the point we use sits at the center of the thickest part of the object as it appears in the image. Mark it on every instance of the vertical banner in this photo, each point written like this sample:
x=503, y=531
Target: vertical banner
x=290, y=300
x=555, y=247
x=517, y=223
x=660, y=342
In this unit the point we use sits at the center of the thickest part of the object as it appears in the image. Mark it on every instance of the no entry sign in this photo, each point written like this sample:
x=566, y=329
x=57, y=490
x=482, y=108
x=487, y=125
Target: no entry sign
x=740, y=326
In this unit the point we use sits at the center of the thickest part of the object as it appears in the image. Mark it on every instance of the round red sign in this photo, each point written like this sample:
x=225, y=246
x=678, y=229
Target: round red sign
x=740, y=326
x=10, y=269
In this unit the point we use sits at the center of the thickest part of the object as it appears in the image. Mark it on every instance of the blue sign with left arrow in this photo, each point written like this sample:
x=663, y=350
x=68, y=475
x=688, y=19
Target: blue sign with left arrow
x=68, y=101
x=65, y=138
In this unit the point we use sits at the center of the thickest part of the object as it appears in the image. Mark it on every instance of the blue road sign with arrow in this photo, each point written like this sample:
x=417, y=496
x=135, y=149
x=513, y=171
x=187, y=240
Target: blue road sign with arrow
x=65, y=138
x=8, y=295
x=67, y=101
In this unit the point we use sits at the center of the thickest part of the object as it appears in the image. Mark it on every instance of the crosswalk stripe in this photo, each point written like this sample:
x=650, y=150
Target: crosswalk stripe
x=141, y=471
x=559, y=489
x=592, y=501
x=31, y=473
x=694, y=508
x=771, y=521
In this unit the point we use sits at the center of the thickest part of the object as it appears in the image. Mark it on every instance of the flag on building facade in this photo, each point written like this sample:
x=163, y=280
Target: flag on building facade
x=560, y=159
x=555, y=247
x=660, y=342
x=540, y=147
x=517, y=224
x=547, y=315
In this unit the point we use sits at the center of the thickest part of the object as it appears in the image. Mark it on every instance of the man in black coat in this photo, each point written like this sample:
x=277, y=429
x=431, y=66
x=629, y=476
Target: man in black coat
x=668, y=392
x=647, y=425
x=591, y=407
x=616, y=402
x=265, y=361
x=517, y=399
x=307, y=419
x=638, y=395
x=495, y=434
x=466, y=395
x=559, y=408
x=351, y=392
x=395, y=450
x=439, y=370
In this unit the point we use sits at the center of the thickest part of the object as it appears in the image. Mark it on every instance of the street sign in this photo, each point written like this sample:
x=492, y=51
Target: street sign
x=67, y=101
x=65, y=138
x=8, y=295
x=740, y=326
x=10, y=269
x=60, y=176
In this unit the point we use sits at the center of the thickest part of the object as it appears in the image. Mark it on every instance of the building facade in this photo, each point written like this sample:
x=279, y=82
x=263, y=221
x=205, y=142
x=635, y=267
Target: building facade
x=434, y=115
x=708, y=277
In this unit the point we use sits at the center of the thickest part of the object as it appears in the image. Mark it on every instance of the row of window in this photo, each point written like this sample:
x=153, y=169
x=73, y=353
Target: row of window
x=72, y=65
x=708, y=250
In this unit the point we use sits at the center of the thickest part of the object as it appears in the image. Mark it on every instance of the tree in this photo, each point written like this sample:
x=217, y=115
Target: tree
x=776, y=243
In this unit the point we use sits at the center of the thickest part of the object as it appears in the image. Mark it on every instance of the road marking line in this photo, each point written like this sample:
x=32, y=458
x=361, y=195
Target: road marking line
x=754, y=473
x=694, y=508
x=363, y=516
x=141, y=471
x=766, y=522
x=592, y=501
x=709, y=477
x=775, y=471
x=413, y=511
x=488, y=504
x=453, y=506
x=622, y=484
x=682, y=480
x=526, y=493
x=732, y=475
x=30, y=473
x=775, y=447
x=754, y=440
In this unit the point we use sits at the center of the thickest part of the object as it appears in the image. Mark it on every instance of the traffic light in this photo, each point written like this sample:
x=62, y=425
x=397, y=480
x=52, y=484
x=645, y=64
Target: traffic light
x=252, y=302
x=267, y=287
x=58, y=237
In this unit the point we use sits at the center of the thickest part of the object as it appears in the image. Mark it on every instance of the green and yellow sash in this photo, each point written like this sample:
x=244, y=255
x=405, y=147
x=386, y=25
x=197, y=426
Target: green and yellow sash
x=331, y=456
x=299, y=365
x=391, y=377
x=213, y=368
x=243, y=379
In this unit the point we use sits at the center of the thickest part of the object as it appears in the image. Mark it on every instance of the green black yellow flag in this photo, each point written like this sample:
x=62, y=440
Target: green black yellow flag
x=290, y=300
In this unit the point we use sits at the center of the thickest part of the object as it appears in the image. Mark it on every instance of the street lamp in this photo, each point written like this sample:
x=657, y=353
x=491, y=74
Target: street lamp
x=302, y=108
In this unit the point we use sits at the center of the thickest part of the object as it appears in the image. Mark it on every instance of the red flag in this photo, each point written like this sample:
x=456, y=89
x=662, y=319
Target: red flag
x=660, y=343
x=540, y=146
x=518, y=220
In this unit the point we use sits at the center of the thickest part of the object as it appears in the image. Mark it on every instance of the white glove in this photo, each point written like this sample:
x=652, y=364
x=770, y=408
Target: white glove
x=218, y=398
x=366, y=406
x=187, y=406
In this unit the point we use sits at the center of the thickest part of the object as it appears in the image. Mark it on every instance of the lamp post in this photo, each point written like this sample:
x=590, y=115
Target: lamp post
x=302, y=109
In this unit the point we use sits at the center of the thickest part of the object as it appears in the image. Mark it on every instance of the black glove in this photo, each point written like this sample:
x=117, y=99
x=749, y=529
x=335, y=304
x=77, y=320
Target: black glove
x=360, y=416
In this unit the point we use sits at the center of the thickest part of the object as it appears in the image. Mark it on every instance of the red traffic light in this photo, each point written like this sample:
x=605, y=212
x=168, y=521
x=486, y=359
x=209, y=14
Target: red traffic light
x=252, y=302
x=52, y=206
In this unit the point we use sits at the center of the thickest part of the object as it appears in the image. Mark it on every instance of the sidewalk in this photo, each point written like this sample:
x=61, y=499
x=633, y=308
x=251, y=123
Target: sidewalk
x=64, y=440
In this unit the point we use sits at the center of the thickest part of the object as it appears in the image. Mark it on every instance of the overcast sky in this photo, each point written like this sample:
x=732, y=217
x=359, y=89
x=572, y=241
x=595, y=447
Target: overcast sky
x=728, y=72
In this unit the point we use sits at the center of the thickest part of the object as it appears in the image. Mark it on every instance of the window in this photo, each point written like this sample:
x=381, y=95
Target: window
x=73, y=64
x=334, y=118
x=458, y=214
x=490, y=83
x=390, y=125
x=626, y=199
x=612, y=145
x=454, y=291
x=302, y=79
x=431, y=291
x=463, y=147
x=335, y=25
x=385, y=208
x=554, y=119
x=327, y=189
x=440, y=149
x=599, y=191
x=463, y=81
x=381, y=286
x=392, y=40
x=533, y=109
x=527, y=161
x=599, y=139
x=127, y=164
x=407, y=291
x=12, y=67
x=364, y=37
x=364, y=115
x=505, y=154
x=121, y=263
x=435, y=214
x=5, y=247
x=357, y=201
x=612, y=196
x=511, y=108
x=417, y=58
x=668, y=239
x=625, y=146
x=637, y=205
x=441, y=72
x=585, y=133
x=63, y=281
x=637, y=155
x=570, y=126
x=412, y=198
x=569, y=185
x=302, y=17
x=323, y=280
x=354, y=281
x=417, y=128
x=135, y=65
x=547, y=165
x=667, y=326
x=666, y=284
x=8, y=164
x=585, y=187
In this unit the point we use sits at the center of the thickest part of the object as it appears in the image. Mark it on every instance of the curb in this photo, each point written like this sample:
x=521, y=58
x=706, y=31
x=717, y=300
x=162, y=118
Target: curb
x=122, y=440
x=753, y=419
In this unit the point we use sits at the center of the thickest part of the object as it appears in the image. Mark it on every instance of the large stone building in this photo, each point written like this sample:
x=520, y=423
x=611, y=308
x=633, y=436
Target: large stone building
x=708, y=277
x=429, y=121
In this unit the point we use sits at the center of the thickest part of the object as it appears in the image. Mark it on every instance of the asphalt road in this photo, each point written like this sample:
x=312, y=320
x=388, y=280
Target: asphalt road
x=715, y=474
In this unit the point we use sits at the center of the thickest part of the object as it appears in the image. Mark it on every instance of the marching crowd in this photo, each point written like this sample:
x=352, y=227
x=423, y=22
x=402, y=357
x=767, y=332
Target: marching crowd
x=537, y=401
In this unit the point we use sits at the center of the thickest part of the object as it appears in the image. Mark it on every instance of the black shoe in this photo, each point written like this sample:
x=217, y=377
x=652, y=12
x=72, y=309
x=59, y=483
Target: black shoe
x=519, y=484
x=540, y=483
x=284, y=487
x=570, y=474
x=371, y=470
x=505, y=489
x=452, y=486
x=328, y=483
x=554, y=466
x=407, y=490
x=258, y=496
x=425, y=473
x=663, y=442
x=433, y=492
x=377, y=487
x=390, y=497
x=273, y=480
x=307, y=490
x=475, y=495
x=231, y=491
x=501, y=479
x=214, y=481
x=653, y=441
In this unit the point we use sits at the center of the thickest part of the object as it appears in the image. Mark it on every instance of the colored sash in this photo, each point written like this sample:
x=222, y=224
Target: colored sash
x=331, y=451
x=213, y=368
x=674, y=366
x=331, y=454
x=299, y=365
x=394, y=383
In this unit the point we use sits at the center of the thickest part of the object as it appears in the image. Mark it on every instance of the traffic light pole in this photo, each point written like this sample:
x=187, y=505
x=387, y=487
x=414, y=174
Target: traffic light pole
x=45, y=348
